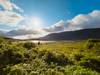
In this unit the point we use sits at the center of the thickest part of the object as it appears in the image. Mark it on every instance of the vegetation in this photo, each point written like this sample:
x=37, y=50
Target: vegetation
x=57, y=58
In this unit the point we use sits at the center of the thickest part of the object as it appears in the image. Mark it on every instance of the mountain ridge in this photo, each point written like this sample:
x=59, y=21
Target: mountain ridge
x=93, y=33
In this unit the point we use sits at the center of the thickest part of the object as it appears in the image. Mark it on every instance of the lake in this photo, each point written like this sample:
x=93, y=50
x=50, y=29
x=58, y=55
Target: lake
x=36, y=41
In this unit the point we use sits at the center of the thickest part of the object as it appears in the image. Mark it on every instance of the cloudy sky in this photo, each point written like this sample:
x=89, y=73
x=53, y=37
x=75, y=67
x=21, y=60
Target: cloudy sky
x=40, y=17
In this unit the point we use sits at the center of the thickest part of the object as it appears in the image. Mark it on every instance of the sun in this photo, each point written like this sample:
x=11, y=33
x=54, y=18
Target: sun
x=36, y=22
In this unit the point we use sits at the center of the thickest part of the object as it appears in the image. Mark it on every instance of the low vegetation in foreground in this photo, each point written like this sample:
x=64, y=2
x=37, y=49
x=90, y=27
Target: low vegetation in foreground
x=57, y=58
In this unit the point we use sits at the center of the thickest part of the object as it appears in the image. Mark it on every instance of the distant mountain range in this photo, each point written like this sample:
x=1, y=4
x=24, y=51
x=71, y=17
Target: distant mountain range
x=74, y=35
x=83, y=34
x=19, y=32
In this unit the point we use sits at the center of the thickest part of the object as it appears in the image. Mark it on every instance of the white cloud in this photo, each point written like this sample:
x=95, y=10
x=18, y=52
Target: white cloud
x=10, y=18
x=9, y=6
x=31, y=23
x=56, y=27
x=91, y=20
x=28, y=25
x=6, y=4
x=22, y=32
x=17, y=8
x=81, y=21
x=25, y=34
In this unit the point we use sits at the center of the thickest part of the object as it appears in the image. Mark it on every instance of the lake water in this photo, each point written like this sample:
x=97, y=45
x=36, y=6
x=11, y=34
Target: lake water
x=36, y=41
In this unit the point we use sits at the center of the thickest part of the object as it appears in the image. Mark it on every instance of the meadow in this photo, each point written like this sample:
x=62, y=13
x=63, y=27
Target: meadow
x=55, y=58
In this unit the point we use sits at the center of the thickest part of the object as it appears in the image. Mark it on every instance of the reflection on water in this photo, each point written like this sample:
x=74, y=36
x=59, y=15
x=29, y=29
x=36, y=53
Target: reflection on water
x=37, y=41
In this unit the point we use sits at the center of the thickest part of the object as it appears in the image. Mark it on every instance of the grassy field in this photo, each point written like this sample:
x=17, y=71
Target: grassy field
x=55, y=58
x=62, y=46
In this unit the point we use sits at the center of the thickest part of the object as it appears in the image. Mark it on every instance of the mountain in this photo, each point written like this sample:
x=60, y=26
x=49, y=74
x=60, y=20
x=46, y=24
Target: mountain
x=74, y=35
x=19, y=32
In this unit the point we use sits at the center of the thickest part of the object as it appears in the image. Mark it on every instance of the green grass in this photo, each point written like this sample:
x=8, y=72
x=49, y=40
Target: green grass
x=63, y=47
x=56, y=58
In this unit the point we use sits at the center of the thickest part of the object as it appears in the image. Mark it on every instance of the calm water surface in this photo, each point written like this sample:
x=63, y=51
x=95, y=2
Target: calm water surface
x=36, y=41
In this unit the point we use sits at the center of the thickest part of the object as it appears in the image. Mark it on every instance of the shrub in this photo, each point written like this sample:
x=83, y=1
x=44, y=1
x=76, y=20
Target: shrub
x=78, y=56
x=2, y=40
x=78, y=70
x=57, y=58
x=34, y=73
x=10, y=57
x=91, y=43
x=29, y=45
x=92, y=63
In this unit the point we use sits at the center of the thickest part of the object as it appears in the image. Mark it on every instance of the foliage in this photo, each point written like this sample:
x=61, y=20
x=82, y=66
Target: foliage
x=58, y=58
x=29, y=45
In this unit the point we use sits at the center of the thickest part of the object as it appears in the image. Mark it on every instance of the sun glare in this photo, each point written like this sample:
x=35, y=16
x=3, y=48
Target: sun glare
x=37, y=22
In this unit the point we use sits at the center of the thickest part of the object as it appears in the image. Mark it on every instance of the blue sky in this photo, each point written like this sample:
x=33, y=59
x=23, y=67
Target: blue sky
x=53, y=11
x=49, y=16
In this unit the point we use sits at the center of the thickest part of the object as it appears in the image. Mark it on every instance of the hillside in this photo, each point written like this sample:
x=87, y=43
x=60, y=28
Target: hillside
x=74, y=35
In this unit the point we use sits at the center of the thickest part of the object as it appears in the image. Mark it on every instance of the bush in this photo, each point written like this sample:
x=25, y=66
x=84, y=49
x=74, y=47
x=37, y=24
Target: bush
x=29, y=45
x=15, y=70
x=92, y=63
x=10, y=57
x=92, y=43
x=57, y=58
x=78, y=56
x=18, y=58
x=78, y=70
